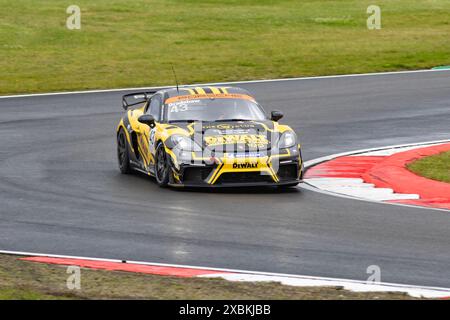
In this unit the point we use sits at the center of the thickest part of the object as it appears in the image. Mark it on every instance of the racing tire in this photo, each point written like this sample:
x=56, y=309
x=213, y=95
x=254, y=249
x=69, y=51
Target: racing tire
x=162, y=167
x=122, y=153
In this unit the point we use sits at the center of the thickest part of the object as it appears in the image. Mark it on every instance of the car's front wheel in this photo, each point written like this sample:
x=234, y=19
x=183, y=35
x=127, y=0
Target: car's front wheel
x=162, y=168
x=122, y=153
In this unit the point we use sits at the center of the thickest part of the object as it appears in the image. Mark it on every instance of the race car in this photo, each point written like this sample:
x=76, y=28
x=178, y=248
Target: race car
x=206, y=136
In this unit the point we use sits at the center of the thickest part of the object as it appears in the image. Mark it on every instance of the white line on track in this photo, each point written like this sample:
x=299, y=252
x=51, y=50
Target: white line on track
x=357, y=188
x=287, y=279
x=316, y=161
x=230, y=82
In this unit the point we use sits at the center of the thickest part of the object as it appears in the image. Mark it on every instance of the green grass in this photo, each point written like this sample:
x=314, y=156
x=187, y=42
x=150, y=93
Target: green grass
x=435, y=167
x=36, y=281
x=134, y=43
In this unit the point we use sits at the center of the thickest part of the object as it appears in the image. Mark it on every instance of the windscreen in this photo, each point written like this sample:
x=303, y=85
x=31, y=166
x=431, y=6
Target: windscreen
x=213, y=109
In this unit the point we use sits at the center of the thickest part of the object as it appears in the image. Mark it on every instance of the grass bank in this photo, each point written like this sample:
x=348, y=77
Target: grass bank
x=435, y=167
x=134, y=43
x=29, y=280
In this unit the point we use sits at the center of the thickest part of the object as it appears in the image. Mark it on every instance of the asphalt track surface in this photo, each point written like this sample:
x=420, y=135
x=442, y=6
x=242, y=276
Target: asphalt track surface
x=61, y=191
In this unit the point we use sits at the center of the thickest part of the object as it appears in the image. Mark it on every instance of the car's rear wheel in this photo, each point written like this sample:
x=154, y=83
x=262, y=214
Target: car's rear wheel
x=162, y=168
x=122, y=153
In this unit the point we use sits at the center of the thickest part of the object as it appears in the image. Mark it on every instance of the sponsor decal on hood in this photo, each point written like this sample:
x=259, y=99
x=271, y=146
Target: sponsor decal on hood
x=242, y=135
x=251, y=140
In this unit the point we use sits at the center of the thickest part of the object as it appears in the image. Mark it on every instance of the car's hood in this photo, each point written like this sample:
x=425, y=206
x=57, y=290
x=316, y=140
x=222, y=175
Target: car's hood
x=230, y=136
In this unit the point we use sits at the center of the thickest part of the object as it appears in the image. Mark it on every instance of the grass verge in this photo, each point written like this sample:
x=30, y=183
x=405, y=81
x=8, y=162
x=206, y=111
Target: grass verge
x=435, y=167
x=134, y=43
x=29, y=280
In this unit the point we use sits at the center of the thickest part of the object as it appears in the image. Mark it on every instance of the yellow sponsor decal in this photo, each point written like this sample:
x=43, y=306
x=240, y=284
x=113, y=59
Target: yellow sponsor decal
x=252, y=140
x=245, y=165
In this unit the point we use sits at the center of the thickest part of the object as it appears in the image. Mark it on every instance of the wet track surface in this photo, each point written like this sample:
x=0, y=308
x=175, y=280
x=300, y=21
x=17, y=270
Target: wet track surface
x=61, y=191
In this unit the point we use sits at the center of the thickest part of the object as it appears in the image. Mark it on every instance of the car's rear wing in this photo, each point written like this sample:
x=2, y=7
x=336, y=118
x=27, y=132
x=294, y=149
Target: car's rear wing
x=133, y=99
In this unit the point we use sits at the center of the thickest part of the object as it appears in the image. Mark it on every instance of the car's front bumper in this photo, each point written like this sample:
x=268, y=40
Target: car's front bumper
x=232, y=172
x=236, y=184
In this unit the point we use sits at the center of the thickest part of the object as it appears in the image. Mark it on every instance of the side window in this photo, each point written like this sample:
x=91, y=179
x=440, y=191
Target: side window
x=155, y=107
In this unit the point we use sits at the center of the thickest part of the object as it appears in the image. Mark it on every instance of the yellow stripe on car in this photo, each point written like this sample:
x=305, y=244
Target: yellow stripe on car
x=215, y=90
x=243, y=165
x=200, y=90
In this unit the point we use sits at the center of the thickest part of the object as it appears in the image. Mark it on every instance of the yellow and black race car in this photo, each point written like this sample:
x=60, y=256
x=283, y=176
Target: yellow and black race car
x=206, y=136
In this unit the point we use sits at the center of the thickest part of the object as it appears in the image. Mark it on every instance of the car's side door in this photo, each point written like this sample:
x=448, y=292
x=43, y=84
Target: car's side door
x=154, y=109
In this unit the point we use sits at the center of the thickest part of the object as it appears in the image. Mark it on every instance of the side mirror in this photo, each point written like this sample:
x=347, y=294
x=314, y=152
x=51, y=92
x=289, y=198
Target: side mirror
x=147, y=119
x=276, y=115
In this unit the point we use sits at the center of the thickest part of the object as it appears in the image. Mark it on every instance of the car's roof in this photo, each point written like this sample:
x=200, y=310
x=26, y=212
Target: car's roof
x=199, y=90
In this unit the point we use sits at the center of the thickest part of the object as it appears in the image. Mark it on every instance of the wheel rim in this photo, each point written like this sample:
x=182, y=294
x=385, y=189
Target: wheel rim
x=121, y=149
x=161, y=168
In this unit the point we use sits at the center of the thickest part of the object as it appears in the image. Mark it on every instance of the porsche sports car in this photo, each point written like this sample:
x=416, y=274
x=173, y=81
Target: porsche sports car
x=206, y=137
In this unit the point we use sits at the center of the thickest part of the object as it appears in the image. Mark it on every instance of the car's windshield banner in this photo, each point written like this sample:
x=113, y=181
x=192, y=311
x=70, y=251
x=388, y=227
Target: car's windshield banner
x=209, y=96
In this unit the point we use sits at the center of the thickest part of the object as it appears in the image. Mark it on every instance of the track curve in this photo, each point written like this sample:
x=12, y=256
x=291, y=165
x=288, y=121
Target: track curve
x=61, y=191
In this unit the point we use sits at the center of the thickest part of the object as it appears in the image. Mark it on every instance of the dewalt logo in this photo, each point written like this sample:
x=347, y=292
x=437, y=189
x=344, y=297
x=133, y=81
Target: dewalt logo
x=246, y=165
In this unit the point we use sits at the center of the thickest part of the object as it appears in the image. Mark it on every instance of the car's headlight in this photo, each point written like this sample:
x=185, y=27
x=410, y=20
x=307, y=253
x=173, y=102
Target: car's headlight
x=184, y=143
x=287, y=140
